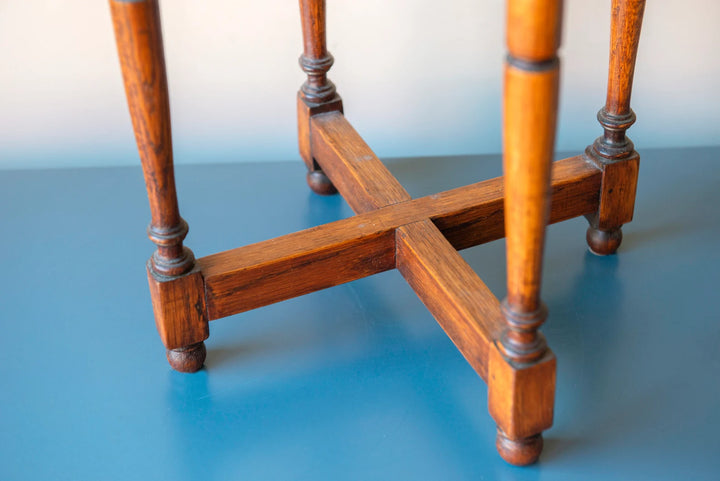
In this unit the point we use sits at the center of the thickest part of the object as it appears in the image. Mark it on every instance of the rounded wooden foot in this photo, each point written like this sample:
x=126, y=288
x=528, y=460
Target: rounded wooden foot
x=603, y=242
x=319, y=183
x=187, y=359
x=519, y=452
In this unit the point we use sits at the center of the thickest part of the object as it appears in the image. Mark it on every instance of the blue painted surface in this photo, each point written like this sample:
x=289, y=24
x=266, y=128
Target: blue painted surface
x=358, y=381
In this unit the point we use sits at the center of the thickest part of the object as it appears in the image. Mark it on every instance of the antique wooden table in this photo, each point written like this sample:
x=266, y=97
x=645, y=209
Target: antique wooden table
x=419, y=237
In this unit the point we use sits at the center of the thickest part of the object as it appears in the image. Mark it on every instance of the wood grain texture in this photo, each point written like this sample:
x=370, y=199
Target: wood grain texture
x=139, y=42
x=625, y=25
x=617, y=194
x=468, y=216
x=575, y=186
x=303, y=125
x=529, y=137
x=266, y=272
x=305, y=111
x=179, y=308
x=454, y=294
x=293, y=265
x=177, y=291
x=354, y=169
x=520, y=398
x=312, y=16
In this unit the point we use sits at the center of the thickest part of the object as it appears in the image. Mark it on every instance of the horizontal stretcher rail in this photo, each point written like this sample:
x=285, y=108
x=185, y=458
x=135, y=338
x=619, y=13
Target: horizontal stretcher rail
x=354, y=169
x=259, y=274
x=462, y=304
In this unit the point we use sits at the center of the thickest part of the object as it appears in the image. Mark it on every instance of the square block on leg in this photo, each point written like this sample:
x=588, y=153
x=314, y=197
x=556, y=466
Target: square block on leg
x=521, y=397
x=179, y=307
x=305, y=111
x=617, y=192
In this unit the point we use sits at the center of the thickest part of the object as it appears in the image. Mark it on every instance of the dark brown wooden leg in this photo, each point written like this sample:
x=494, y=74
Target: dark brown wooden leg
x=176, y=286
x=614, y=153
x=317, y=95
x=521, y=369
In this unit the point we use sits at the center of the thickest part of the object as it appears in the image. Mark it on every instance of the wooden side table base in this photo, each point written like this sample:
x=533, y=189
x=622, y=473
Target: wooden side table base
x=419, y=237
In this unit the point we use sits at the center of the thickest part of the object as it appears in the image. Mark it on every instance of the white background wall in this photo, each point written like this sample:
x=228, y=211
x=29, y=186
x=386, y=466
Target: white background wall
x=418, y=77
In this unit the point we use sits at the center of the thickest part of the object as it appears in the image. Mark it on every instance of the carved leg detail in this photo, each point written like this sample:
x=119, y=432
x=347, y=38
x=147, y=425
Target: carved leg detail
x=317, y=95
x=521, y=368
x=176, y=287
x=614, y=153
x=519, y=452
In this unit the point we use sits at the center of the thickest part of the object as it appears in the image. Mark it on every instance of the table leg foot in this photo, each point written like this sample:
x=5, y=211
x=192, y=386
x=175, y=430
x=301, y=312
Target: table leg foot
x=319, y=183
x=603, y=242
x=519, y=452
x=187, y=359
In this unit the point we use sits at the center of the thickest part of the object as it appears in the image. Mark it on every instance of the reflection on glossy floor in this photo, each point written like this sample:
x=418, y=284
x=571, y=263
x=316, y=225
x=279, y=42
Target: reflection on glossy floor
x=358, y=381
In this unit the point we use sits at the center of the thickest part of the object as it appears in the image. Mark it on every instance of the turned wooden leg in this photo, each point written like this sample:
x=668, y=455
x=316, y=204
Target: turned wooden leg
x=521, y=368
x=614, y=153
x=317, y=95
x=176, y=287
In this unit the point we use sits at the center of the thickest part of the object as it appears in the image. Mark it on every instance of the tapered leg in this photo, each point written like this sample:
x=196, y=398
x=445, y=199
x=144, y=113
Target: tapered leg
x=521, y=368
x=317, y=95
x=614, y=152
x=175, y=285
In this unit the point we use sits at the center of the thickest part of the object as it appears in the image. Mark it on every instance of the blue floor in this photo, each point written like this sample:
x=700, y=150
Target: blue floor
x=358, y=381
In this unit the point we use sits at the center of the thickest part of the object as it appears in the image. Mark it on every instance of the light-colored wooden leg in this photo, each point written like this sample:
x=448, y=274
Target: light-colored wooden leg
x=521, y=368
